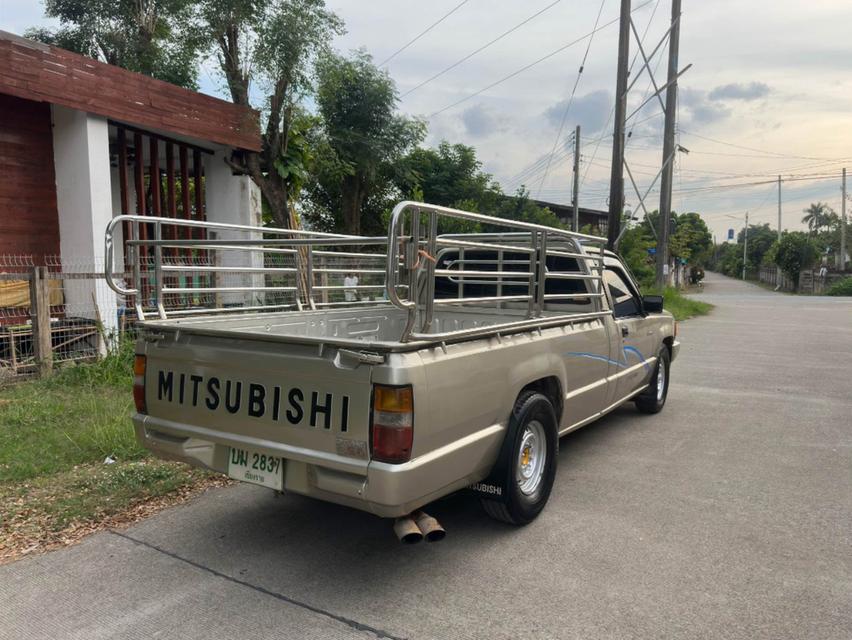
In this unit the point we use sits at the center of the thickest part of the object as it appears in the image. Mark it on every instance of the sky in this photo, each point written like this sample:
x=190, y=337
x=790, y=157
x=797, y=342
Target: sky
x=769, y=92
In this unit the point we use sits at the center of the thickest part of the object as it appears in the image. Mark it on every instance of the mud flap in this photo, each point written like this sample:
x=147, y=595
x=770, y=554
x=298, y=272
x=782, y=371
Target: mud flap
x=495, y=486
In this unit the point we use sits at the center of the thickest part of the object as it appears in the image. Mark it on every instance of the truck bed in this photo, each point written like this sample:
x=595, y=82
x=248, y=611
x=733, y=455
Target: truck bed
x=375, y=328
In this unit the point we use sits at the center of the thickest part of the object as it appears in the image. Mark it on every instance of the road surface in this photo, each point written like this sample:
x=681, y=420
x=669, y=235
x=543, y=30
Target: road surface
x=729, y=515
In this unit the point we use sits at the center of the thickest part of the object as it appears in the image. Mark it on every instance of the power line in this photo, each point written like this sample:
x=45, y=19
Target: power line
x=482, y=48
x=571, y=98
x=771, y=153
x=531, y=64
x=629, y=70
x=424, y=32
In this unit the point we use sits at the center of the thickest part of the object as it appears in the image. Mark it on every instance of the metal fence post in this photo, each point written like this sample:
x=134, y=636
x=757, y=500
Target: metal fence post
x=40, y=318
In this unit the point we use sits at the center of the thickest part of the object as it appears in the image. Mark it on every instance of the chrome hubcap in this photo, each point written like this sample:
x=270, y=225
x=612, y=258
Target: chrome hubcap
x=532, y=456
x=661, y=382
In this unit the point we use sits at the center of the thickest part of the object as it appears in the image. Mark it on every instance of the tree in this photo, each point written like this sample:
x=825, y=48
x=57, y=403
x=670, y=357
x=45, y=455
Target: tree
x=691, y=239
x=818, y=216
x=793, y=253
x=157, y=38
x=272, y=44
x=450, y=176
x=760, y=238
x=363, y=138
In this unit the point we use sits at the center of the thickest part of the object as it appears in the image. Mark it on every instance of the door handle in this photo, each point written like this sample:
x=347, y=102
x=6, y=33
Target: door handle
x=625, y=332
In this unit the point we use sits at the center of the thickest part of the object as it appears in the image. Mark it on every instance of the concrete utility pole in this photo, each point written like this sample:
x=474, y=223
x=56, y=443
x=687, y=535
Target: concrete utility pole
x=616, y=177
x=779, y=208
x=576, y=200
x=745, y=247
x=842, y=265
x=668, y=150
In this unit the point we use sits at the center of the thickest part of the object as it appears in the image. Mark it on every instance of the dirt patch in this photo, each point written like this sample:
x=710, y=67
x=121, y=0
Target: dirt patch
x=35, y=519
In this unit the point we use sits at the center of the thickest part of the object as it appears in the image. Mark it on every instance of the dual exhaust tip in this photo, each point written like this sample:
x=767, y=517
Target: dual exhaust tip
x=416, y=526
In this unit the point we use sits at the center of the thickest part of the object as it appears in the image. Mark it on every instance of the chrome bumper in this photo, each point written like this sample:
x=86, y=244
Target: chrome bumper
x=387, y=490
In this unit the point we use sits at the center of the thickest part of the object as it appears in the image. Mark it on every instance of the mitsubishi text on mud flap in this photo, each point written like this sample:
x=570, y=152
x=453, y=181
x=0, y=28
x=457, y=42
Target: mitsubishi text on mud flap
x=385, y=372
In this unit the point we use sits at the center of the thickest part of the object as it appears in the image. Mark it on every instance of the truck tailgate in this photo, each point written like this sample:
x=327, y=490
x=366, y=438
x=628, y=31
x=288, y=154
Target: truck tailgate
x=298, y=401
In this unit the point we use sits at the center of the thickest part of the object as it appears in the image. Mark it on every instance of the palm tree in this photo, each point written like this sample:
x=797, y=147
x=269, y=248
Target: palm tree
x=817, y=216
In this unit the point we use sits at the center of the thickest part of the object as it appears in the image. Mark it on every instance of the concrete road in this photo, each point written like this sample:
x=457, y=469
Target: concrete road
x=729, y=515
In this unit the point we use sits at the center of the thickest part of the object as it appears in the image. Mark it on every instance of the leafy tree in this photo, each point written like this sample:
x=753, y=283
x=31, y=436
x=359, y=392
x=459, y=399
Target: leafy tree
x=633, y=248
x=819, y=216
x=450, y=176
x=155, y=37
x=363, y=138
x=272, y=44
x=760, y=238
x=793, y=253
x=691, y=239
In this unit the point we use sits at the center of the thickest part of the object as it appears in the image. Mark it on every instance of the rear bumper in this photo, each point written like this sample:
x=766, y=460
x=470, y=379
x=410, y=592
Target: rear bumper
x=387, y=490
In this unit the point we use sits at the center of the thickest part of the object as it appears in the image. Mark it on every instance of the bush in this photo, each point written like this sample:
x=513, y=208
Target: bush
x=840, y=288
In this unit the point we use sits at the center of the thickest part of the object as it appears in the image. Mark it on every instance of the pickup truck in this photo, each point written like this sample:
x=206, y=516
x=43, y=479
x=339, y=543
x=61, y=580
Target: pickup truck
x=456, y=362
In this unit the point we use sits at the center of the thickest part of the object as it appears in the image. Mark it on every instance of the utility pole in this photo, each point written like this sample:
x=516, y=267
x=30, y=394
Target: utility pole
x=668, y=150
x=616, y=177
x=842, y=265
x=576, y=200
x=745, y=247
x=779, y=208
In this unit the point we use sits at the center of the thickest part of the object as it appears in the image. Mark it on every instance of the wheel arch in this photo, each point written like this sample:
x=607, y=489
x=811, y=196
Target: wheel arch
x=551, y=388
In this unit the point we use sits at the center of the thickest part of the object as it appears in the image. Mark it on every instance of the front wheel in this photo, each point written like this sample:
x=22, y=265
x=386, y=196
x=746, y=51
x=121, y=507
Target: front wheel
x=527, y=464
x=653, y=399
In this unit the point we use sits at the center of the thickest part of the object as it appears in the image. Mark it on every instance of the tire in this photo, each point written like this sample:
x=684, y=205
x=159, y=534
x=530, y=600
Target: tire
x=653, y=399
x=527, y=464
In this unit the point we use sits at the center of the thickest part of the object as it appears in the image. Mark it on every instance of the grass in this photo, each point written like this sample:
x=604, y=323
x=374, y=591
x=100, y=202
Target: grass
x=55, y=434
x=840, y=288
x=683, y=307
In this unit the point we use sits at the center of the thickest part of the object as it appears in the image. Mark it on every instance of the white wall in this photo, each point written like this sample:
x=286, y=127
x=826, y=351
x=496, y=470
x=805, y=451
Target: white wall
x=234, y=200
x=84, y=201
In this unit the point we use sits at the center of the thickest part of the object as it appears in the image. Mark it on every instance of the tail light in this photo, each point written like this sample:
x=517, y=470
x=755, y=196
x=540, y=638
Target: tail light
x=139, y=383
x=392, y=427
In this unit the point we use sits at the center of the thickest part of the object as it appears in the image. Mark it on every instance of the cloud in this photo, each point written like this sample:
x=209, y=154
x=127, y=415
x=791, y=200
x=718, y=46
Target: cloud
x=697, y=108
x=740, y=91
x=479, y=121
x=590, y=111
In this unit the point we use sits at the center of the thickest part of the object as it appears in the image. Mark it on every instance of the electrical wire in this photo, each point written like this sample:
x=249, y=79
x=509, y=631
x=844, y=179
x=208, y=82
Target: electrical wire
x=424, y=32
x=571, y=98
x=531, y=64
x=480, y=49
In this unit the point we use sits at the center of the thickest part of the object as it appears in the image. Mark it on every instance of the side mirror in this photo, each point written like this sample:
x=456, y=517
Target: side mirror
x=652, y=304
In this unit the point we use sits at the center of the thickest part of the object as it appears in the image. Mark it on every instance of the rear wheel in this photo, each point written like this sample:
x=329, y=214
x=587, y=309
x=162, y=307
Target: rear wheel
x=653, y=399
x=527, y=465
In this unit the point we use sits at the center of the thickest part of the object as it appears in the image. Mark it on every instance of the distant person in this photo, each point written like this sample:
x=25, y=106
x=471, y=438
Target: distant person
x=350, y=282
x=823, y=273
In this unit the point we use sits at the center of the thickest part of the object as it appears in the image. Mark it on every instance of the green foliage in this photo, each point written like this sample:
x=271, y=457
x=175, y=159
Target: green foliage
x=840, y=288
x=691, y=239
x=820, y=216
x=158, y=38
x=633, y=249
x=363, y=139
x=796, y=251
x=683, y=307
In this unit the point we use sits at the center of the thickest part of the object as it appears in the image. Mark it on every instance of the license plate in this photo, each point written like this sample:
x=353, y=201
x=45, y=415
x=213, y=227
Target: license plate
x=255, y=467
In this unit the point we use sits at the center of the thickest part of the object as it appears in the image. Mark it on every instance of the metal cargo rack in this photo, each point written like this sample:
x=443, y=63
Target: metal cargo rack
x=180, y=268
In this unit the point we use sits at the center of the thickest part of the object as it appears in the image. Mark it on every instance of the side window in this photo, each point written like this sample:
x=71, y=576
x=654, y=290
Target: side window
x=624, y=302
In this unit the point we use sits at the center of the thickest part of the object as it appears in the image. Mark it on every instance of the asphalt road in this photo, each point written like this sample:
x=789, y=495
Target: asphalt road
x=729, y=515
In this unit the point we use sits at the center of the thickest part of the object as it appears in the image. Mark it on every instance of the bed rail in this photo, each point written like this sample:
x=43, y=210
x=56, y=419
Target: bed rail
x=184, y=267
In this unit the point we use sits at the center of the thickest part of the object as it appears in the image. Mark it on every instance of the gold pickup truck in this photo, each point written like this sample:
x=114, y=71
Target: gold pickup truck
x=385, y=372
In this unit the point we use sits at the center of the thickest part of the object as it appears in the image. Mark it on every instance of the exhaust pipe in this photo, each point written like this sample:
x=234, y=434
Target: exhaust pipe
x=407, y=530
x=429, y=527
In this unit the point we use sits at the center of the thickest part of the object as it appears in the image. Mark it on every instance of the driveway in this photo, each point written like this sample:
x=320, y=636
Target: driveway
x=729, y=515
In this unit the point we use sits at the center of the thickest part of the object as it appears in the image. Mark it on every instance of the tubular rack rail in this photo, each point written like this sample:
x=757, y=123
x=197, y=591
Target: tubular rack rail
x=236, y=268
